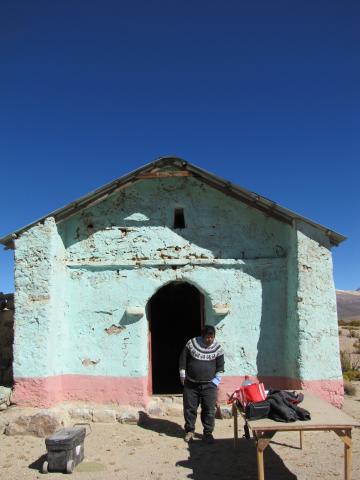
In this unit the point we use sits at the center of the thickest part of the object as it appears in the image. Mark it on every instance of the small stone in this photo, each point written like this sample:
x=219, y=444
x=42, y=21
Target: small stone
x=225, y=412
x=3, y=406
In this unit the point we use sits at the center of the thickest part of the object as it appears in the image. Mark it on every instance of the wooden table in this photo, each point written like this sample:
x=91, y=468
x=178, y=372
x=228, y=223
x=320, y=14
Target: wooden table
x=324, y=417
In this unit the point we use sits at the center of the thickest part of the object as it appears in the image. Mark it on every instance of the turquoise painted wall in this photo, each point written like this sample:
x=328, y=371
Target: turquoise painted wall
x=316, y=307
x=41, y=305
x=116, y=254
x=137, y=223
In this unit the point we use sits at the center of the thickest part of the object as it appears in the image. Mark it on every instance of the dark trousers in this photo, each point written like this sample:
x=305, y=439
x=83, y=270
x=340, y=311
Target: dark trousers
x=196, y=394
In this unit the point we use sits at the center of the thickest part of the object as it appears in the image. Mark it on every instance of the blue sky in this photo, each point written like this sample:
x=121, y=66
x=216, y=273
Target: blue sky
x=263, y=93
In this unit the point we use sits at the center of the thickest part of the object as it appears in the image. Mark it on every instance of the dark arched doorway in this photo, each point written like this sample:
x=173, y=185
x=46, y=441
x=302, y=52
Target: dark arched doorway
x=176, y=314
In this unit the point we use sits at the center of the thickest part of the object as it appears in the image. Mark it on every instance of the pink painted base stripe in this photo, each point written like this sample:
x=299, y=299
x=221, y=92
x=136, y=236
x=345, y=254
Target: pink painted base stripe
x=44, y=392
x=330, y=390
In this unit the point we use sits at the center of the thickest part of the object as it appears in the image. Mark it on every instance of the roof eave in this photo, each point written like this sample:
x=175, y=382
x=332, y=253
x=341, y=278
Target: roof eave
x=267, y=206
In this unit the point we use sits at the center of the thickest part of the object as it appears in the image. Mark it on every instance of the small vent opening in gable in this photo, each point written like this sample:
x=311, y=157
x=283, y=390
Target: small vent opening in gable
x=179, y=219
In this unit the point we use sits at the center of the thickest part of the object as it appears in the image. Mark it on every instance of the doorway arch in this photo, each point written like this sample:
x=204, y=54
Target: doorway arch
x=176, y=314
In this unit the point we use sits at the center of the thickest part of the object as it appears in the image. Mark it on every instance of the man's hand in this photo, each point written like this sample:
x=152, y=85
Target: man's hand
x=216, y=380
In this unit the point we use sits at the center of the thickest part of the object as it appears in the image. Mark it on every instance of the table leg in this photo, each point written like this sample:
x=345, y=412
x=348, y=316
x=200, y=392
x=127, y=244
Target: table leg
x=235, y=416
x=260, y=464
x=345, y=436
x=263, y=440
x=348, y=455
x=301, y=439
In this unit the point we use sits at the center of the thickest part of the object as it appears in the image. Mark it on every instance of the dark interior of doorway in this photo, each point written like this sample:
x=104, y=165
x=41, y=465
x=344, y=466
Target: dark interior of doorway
x=176, y=315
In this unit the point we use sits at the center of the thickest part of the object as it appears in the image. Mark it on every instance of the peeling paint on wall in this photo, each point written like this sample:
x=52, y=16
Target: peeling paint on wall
x=87, y=362
x=114, y=329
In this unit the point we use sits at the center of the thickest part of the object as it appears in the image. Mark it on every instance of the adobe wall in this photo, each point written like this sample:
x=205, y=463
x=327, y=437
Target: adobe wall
x=76, y=283
x=319, y=351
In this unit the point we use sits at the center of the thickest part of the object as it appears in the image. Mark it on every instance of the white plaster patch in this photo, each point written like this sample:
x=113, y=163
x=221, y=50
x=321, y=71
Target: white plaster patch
x=137, y=217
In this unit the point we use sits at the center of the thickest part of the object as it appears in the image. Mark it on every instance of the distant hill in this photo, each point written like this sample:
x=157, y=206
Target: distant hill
x=348, y=304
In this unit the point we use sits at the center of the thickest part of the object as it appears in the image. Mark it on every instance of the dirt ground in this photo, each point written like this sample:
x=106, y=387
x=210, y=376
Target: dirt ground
x=156, y=451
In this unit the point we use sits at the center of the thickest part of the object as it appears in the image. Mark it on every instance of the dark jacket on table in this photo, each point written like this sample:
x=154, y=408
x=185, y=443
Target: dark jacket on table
x=283, y=408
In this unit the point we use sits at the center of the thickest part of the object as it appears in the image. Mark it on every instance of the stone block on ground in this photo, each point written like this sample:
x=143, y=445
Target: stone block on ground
x=104, y=416
x=129, y=416
x=156, y=410
x=5, y=395
x=166, y=400
x=19, y=426
x=175, y=410
x=44, y=423
x=81, y=414
x=40, y=425
x=3, y=423
x=178, y=399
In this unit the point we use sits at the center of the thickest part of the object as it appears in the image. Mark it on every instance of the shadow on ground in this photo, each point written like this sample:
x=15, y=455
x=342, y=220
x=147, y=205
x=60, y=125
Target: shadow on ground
x=38, y=463
x=160, y=425
x=223, y=460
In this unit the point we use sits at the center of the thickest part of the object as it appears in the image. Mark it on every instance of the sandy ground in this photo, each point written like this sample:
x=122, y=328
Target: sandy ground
x=156, y=451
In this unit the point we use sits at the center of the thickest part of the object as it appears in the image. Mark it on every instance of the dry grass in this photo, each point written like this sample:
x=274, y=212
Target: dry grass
x=350, y=353
x=354, y=333
x=349, y=389
x=356, y=346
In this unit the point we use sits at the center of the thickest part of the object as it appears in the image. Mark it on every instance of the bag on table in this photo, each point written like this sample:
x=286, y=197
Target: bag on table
x=257, y=410
x=249, y=394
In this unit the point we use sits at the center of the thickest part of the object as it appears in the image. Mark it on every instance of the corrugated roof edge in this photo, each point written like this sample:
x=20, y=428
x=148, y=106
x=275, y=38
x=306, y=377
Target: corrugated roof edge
x=257, y=201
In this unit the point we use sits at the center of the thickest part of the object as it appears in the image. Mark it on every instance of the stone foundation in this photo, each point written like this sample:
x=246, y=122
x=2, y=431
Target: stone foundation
x=39, y=422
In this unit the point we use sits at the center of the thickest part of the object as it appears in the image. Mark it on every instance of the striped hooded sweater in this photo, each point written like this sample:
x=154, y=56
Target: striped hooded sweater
x=201, y=363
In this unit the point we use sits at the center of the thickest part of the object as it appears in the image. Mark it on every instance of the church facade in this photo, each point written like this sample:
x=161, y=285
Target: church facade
x=110, y=287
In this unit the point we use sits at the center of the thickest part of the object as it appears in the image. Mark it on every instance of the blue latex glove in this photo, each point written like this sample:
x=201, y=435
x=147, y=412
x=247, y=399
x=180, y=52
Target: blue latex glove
x=216, y=380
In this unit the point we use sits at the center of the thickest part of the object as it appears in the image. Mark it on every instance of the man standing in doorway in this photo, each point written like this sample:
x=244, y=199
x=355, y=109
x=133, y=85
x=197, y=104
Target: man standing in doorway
x=201, y=365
